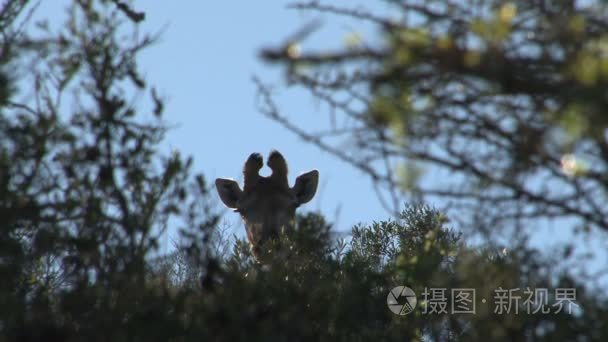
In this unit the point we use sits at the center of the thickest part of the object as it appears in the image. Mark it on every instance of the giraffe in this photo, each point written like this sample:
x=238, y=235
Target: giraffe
x=267, y=205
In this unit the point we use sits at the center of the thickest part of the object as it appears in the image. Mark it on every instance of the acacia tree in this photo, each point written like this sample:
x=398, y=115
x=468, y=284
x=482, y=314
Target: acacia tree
x=85, y=194
x=493, y=110
x=501, y=103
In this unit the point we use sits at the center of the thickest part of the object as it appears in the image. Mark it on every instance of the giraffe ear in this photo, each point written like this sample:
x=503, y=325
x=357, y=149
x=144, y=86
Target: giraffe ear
x=229, y=191
x=306, y=186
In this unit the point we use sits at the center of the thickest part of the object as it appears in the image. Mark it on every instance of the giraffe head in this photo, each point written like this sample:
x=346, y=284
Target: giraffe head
x=267, y=205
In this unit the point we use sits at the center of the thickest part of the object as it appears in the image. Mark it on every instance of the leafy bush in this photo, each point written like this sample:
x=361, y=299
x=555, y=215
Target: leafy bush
x=86, y=195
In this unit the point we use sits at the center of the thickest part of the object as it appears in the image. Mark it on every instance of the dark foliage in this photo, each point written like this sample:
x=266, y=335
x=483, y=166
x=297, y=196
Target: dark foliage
x=86, y=194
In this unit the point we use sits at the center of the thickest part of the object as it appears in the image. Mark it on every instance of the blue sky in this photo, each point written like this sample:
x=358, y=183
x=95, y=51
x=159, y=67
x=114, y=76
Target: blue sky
x=203, y=65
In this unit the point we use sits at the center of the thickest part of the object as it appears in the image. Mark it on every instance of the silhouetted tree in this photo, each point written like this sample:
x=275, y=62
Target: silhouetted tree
x=501, y=103
x=84, y=192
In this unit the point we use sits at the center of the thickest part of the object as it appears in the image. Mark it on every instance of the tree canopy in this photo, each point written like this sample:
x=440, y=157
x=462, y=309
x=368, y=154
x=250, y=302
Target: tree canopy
x=507, y=97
